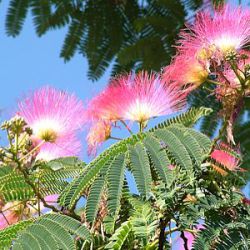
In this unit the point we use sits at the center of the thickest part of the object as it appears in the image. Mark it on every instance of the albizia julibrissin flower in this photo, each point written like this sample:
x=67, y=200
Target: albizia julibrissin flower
x=146, y=96
x=134, y=97
x=226, y=157
x=186, y=70
x=98, y=133
x=225, y=30
x=230, y=82
x=55, y=118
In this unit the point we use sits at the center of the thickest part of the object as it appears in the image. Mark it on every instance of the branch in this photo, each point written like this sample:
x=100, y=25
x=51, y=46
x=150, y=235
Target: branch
x=162, y=237
x=184, y=240
x=39, y=196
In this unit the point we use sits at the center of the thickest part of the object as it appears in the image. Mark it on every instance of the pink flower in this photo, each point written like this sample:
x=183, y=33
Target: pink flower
x=8, y=218
x=131, y=97
x=146, y=96
x=246, y=201
x=230, y=82
x=226, y=157
x=55, y=118
x=226, y=30
x=137, y=98
x=98, y=133
x=186, y=70
x=9, y=213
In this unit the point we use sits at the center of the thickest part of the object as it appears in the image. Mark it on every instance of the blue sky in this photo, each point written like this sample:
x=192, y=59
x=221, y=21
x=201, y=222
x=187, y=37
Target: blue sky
x=28, y=62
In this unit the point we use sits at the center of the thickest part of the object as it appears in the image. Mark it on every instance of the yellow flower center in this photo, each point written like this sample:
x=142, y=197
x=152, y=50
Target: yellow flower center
x=197, y=75
x=48, y=135
x=140, y=111
x=226, y=44
x=47, y=130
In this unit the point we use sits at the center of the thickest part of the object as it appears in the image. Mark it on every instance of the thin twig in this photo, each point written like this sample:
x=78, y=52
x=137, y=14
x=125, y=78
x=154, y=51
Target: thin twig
x=127, y=127
x=115, y=138
x=33, y=150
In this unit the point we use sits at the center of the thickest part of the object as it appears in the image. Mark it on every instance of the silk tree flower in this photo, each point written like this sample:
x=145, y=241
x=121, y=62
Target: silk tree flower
x=133, y=97
x=8, y=214
x=227, y=29
x=98, y=133
x=230, y=82
x=147, y=96
x=55, y=118
x=186, y=70
x=225, y=156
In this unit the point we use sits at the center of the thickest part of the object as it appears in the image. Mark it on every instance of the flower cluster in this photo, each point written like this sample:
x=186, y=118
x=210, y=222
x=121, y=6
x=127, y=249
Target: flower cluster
x=225, y=158
x=212, y=51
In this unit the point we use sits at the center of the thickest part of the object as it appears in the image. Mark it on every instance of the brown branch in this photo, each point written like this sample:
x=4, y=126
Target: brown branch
x=40, y=197
x=162, y=236
x=185, y=240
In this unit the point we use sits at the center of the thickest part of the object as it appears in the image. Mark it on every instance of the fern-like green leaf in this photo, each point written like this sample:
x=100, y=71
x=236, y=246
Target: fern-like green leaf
x=95, y=193
x=73, y=37
x=144, y=222
x=41, y=10
x=116, y=176
x=175, y=146
x=120, y=236
x=159, y=158
x=58, y=230
x=187, y=119
x=190, y=143
x=94, y=198
x=17, y=12
x=141, y=169
x=9, y=234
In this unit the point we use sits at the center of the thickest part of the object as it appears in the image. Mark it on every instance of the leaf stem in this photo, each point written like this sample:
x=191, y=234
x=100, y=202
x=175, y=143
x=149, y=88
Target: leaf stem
x=127, y=127
x=115, y=138
x=214, y=82
x=33, y=150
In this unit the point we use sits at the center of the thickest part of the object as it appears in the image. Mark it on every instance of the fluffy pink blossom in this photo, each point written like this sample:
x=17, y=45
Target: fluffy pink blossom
x=55, y=118
x=225, y=30
x=137, y=98
x=146, y=96
x=133, y=97
x=226, y=157
x=186, y=70
x=98, y=133
x=12, y=212
x=8, y=214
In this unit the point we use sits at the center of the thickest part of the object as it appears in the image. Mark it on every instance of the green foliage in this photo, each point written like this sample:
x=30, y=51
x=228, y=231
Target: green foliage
x=115, y=183
x=144, y=222
x=172, y=170
x=173, y=142
x=10, y=233
x=51, y=179
x=138, y=230
x=139, y=163
x=16, y=15
x=224, y=233
x=52, y=231
x=120, y=236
